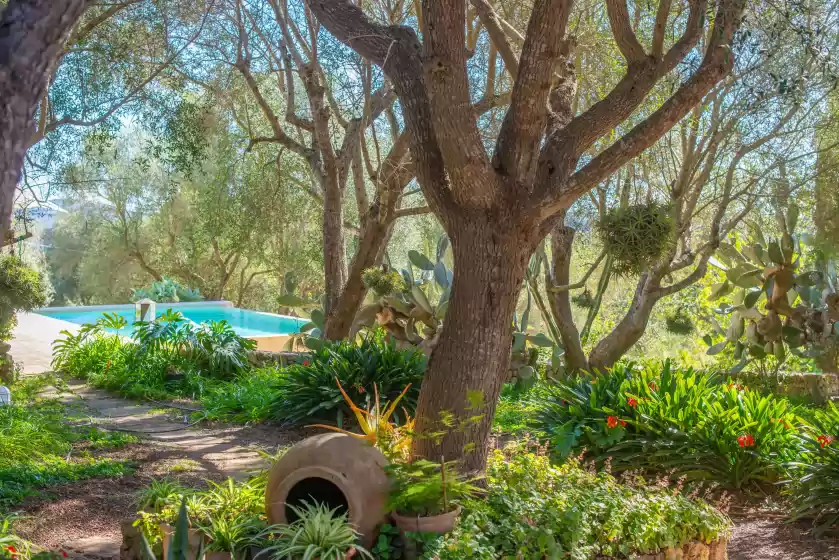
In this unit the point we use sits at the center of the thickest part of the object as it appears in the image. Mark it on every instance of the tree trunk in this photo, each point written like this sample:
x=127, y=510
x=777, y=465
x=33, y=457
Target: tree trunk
x=470, y=362
x=613, y=346
x=371, y=246
x=562, y=238
x=32, y=35
x=334, y=247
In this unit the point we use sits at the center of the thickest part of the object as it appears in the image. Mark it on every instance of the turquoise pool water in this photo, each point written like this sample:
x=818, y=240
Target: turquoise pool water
x=244, y=321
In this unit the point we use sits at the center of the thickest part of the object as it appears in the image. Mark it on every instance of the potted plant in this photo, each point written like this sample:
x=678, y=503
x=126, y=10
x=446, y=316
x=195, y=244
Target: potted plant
x=230, y=539
x=425, y=496
x=319, y=533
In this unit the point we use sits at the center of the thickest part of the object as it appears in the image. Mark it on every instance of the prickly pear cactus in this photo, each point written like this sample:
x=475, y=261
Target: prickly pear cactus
x=778, y=307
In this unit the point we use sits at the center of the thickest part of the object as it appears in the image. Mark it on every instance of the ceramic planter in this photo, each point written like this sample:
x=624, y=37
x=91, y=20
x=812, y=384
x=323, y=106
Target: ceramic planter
x=439, y=524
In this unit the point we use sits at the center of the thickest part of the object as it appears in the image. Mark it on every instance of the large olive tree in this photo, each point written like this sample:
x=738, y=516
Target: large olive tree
x=496, y=207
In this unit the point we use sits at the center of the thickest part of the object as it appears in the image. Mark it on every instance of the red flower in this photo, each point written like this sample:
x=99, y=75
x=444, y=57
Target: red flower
x=306, y=363
x=632, y=402
x=64, y=554
x=825, y=440
x=653, y=386
x=360, y=389
x=746, y=440
x=12, y=550
x=623, y=423
x=612, y=421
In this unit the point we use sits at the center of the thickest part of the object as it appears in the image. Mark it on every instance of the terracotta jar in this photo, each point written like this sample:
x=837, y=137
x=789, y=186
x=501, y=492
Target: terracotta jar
x=334, y=469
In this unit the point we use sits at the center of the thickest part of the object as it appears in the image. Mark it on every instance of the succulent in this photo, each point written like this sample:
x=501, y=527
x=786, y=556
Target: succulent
x=402, y=302
x=635, y=236
x=777, y=308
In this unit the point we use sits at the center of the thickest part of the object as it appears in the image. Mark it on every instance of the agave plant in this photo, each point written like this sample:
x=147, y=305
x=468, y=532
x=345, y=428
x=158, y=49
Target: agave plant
x=778, y=308
x=378, y=430
x=179, y=546
x=167, y=291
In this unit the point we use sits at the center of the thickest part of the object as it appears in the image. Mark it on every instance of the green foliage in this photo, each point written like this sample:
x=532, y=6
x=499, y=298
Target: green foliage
x=214, y=344
x=21, y=289
x=680, y=422
x=167, y=291
x=309, y=391
x=413, y=311
x=635, y=236
x=679, y=322
x=534, y=509
x=779, y=307
x=254, y=396
x=35, y=444
x=425, y=488
x=318, y=534
x=815, y=492
x=383, y=282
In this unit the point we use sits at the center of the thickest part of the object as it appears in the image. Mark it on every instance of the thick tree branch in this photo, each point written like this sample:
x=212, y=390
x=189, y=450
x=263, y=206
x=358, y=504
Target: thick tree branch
x=521, y=132
x=497, y=35
x=621, y=26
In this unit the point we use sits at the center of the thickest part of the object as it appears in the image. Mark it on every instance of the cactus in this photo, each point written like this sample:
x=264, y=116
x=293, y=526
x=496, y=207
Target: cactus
x=778, y=309
x=410, y=308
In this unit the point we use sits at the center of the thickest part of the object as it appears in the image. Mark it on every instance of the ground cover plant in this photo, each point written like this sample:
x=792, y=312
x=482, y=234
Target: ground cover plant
x=683, y=422
x=39, y=449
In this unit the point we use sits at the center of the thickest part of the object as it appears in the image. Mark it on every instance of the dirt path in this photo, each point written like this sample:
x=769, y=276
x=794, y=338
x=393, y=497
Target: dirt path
x=83, y=518
x=772, y=539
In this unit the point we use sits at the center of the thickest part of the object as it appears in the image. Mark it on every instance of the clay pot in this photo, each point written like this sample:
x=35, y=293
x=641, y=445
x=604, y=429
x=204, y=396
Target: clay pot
x=335, y=469
x=439, y=524
x=195, y=539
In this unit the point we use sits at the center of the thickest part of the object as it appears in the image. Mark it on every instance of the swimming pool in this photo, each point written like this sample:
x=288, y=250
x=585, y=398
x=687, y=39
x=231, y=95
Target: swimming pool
x=247, y=323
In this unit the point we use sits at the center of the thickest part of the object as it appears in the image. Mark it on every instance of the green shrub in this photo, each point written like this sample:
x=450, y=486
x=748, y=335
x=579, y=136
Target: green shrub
x=533, y=509
x=815, y=491
x=309, y=390
x=21, y=289
x=254, y=396
x=681, y=422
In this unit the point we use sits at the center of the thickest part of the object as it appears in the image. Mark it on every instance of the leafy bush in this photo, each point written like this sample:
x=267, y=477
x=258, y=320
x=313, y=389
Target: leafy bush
x=309, y=390
x=425, y=488
x=536, y=510
x=254, y=396
x=682, y=422
x=21, y=289
x=214, y=344
x=167, y=291
x=815, y=492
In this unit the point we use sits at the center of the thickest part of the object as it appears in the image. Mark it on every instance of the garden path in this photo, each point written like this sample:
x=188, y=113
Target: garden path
x=213, y=452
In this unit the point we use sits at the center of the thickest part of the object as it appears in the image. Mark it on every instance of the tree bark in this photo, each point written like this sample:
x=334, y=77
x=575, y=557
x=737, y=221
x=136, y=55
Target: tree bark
x=472, y=358
x=32, y=36
x=562, y=238
x=613, y=346
x=371, y=246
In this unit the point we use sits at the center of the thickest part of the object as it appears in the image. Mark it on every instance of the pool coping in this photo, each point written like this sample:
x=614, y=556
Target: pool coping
x=269, y=343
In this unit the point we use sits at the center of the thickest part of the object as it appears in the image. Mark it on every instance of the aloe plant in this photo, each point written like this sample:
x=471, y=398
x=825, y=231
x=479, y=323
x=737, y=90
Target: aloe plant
x=779, y=307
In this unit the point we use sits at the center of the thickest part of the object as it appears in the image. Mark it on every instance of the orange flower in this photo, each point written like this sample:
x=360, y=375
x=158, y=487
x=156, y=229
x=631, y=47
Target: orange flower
x=746, y=440
x=623, y=423
x=825, y=440
x=612, y=421
x=653, y=386
x=632, y=402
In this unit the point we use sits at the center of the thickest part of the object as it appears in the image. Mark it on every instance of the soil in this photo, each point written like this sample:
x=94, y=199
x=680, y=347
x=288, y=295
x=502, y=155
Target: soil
x=770, y=538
